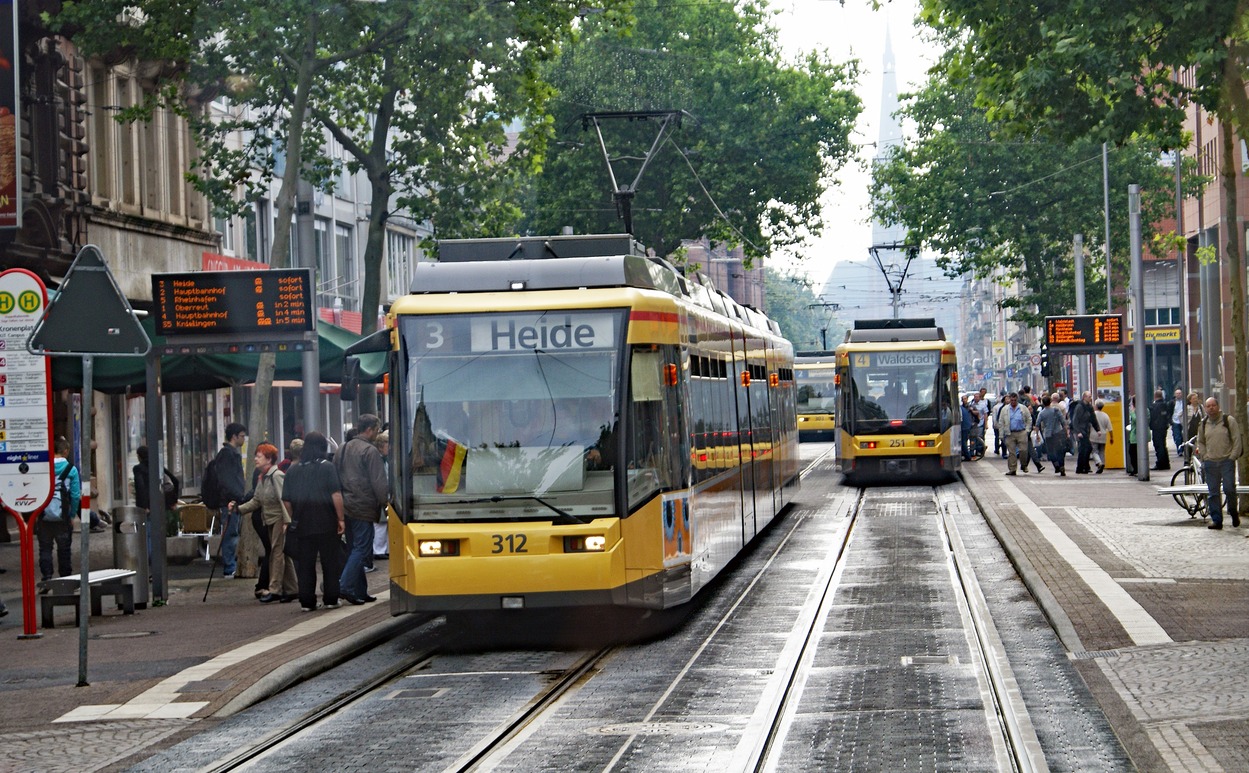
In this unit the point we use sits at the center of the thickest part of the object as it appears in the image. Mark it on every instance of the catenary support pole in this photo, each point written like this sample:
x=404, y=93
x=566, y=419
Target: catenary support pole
x=84, y=561
x=1138, y=341
x=1110, y=306
x=156, y=521
x=1077, y=250
x=310, y=366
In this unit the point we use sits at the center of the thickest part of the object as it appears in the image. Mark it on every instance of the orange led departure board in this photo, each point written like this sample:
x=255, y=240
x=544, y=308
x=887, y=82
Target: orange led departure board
x=274, y=303
x=1084, y=332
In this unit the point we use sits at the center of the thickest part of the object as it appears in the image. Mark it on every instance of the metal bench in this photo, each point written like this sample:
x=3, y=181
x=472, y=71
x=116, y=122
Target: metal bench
x=64, y=591
x=1195, y=488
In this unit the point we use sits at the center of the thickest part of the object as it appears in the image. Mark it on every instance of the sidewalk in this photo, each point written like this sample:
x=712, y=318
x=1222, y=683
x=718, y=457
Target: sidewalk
x=1152, y=606
x=192, y=658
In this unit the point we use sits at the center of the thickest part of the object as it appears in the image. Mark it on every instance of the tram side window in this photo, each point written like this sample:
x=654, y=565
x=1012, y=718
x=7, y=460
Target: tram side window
x=707, y=405
x=947, y=389
x=656, y=444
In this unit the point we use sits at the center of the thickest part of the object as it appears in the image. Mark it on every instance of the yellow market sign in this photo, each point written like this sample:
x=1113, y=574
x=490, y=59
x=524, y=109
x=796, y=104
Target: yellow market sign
x=1161, y=334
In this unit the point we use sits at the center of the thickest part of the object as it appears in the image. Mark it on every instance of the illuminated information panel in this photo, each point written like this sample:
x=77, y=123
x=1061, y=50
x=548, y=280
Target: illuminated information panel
x=273, y=304
x=1084, y=333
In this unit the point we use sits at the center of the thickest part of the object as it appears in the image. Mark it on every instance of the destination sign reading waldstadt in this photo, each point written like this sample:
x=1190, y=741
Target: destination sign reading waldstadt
x=1086, y=332
x=242, y=303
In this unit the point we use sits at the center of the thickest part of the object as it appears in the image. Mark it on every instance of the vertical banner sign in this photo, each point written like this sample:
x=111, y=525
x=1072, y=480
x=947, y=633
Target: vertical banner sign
x=25, y=420
x=1108, y=378
x=10, y=152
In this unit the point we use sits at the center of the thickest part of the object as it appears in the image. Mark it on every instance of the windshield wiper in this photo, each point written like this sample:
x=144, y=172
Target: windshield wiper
x=565, y=518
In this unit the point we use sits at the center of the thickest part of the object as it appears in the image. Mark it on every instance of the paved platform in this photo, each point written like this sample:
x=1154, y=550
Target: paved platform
x=1152, y=607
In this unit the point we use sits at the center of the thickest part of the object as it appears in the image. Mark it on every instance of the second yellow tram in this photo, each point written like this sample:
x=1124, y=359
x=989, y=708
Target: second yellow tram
x=898, y=413
x=815, y=375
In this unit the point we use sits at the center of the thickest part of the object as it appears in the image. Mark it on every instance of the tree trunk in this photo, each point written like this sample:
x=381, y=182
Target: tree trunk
x=377, y=168
x=1236, y=268
x=258, y=427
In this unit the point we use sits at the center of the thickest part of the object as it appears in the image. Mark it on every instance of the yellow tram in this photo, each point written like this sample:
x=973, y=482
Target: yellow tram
x=815, y=375
x=898, y=414
x=574, y=423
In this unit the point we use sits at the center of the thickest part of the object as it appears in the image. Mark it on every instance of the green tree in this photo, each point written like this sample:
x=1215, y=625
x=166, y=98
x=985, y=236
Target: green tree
x=802, y=317
x=418, y=95
x=756, y=147
x=1108, y=70
x=986, y=202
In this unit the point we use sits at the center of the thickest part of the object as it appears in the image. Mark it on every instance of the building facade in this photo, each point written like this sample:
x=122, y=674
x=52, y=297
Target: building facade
x=86, y=178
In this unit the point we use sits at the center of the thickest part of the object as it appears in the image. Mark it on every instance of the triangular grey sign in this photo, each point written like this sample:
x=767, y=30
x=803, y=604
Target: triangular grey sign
x=89, y=315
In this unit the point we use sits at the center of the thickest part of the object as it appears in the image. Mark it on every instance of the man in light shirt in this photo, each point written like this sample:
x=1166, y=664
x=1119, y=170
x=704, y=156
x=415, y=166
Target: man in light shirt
x=1177, y=421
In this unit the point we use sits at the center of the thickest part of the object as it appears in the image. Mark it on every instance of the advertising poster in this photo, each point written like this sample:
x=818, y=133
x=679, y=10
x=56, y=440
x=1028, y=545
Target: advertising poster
x=10, y=162
x=1109, y=382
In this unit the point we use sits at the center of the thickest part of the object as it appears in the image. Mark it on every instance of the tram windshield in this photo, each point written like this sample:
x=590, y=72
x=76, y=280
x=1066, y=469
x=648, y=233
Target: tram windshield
x=512, y=416
x=816, y=391
x=894, y=391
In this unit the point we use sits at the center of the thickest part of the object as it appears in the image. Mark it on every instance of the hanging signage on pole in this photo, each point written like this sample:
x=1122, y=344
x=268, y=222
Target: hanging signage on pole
x=89, y=318
x=26, y=468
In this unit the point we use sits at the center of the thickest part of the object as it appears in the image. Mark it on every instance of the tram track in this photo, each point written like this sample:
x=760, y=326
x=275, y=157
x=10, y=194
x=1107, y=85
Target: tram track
x=1015, y=739
x=1015, y=742
x=757, y=740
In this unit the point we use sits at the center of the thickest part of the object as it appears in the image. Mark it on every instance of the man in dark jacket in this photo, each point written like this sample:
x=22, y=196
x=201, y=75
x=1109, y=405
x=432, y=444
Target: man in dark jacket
x=1082, y=418
x=228, y=474
x=362, y=474
x=1159, y=423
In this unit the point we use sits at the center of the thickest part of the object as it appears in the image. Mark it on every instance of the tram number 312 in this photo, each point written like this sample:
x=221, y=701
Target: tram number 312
x=509, y=543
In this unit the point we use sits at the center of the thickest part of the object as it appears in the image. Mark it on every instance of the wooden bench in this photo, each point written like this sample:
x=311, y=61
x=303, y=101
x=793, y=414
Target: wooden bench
x=64, y=591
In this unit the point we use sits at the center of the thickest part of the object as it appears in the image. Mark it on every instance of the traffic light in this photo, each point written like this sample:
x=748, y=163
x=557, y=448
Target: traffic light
x=1045, y=361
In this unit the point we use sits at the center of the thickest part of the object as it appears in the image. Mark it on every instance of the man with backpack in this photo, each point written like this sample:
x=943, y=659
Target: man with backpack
x=55, y=528
x=1219, y=445
x=223, y=484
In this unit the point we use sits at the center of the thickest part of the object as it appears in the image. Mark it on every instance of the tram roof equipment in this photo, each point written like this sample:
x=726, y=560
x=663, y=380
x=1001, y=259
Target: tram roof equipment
x=895, y=330
x=568, y=262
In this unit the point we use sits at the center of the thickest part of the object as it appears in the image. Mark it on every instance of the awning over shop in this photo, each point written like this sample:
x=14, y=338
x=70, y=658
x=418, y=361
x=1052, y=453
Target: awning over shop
x=198, y=372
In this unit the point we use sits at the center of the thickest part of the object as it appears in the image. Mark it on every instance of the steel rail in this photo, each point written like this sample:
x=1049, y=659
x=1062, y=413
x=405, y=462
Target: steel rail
x=1015, y=741
x=276, y=738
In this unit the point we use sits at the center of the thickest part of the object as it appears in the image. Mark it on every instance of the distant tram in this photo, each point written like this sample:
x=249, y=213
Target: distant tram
x=815, y=374
x=898, y=413
x=574, y=424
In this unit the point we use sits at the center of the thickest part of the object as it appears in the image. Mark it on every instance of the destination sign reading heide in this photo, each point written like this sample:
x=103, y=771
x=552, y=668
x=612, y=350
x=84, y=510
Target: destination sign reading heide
x=552, y=331
x=242, y=303
x=1087, y=332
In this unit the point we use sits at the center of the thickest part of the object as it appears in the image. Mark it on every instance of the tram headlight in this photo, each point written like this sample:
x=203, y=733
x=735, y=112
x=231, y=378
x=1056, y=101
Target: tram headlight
x=429, y=548
x=593, y=543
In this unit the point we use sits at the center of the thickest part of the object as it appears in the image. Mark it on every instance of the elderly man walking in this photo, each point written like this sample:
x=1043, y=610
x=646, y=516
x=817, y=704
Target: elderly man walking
x=1219, y=445
x=362, y=474
x=1014, y=422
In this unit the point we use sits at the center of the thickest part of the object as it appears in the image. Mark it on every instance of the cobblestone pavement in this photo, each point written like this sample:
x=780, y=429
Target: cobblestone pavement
x=1180, y=699
x=1152, y=607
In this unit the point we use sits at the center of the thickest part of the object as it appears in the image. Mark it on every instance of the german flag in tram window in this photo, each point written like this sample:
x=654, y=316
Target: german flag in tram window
x=451, y=469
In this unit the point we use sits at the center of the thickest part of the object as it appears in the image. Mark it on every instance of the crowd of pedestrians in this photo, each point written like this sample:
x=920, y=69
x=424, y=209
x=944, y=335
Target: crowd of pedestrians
x=312, y=509
x=1027, y=430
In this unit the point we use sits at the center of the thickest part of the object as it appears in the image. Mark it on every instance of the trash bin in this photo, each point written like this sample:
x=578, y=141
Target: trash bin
x=130, y=549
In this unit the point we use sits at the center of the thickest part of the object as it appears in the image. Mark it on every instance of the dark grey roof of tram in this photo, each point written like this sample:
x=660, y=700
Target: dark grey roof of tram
x=893, y=330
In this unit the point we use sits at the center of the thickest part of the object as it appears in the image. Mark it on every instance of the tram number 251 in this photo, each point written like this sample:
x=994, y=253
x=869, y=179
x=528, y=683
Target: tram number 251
x=508, y=543
x=897, y=443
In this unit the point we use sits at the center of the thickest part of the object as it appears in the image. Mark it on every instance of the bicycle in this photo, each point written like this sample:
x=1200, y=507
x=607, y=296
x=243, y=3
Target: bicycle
x=1190, y=474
